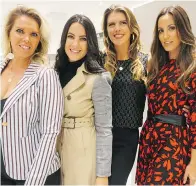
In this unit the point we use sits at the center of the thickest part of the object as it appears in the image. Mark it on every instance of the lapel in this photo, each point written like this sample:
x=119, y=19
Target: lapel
x=30, y=76
x=77, y=81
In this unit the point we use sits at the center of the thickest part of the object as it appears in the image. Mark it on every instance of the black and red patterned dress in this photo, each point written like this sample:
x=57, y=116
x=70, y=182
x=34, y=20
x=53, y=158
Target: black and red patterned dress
x=164, y=149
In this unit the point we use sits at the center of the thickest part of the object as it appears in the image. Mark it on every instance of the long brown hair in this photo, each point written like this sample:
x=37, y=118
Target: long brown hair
x=186, y=59
x=135, y=44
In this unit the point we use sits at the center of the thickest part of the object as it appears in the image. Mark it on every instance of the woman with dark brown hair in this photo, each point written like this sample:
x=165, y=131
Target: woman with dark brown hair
x=167, y=151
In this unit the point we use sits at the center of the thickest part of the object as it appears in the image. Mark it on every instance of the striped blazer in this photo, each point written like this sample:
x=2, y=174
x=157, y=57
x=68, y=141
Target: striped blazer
x=30, y=122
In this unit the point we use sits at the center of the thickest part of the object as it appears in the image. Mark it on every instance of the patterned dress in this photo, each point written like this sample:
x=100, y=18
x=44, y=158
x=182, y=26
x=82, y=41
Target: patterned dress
x=164, y=150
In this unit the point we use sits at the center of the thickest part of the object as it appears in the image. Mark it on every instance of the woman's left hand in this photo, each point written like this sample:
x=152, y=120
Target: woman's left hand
x=191, y=173
x=186, y=109
x=101, y=181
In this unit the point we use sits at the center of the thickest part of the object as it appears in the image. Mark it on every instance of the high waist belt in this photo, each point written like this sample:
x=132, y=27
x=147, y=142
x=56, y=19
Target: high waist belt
x=168, y=118
x=72, y=123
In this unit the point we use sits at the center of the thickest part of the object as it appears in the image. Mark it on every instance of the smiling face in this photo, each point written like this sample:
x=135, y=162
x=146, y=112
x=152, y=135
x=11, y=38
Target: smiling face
x=169, y=35
x=118, y=29
x=76, y=42
x=24, y=37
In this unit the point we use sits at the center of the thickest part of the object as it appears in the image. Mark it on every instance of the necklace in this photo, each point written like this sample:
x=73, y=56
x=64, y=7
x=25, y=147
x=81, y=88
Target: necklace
x=11, y=76
x=122, y=64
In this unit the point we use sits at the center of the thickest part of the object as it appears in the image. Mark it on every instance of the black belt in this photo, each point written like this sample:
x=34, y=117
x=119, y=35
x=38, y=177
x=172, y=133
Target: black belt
x=168, y=118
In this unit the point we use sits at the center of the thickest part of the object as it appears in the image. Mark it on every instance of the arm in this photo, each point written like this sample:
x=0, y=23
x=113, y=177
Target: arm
x=191, y=168
x=50, y=111
x=102, y=100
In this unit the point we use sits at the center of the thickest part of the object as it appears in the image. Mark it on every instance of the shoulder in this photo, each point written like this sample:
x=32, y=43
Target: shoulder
x=45, y=72
x=102, y=84
x=41, y=68
x=143, y=58
x=104, y=77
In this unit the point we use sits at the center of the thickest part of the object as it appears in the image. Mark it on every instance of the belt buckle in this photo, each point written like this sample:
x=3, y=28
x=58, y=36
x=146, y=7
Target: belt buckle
x=74, y=123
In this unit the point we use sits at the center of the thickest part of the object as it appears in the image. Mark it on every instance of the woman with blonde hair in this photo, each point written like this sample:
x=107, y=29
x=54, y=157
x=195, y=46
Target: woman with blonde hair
x=31, y=103
x=167, y=151
x=127, y=63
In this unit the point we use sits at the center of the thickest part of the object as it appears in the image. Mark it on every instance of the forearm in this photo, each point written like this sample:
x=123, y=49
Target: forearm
x=193, y=157
x=104, y=152
x=42, y=161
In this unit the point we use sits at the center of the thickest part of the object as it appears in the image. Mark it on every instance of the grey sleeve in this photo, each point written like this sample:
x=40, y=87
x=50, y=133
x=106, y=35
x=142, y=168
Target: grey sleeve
x=102, y=100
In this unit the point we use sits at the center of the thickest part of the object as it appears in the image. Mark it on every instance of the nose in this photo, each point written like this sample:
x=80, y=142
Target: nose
x=75, y=42
x=26, y=38
x=117, y=27
x=166, y=35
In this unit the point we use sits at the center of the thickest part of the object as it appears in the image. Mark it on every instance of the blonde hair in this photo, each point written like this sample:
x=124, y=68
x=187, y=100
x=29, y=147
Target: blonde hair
x=137, y=69
x=42, y=48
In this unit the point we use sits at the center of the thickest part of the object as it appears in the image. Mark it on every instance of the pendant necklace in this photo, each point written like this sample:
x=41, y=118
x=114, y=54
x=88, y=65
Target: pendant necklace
x=121, y=64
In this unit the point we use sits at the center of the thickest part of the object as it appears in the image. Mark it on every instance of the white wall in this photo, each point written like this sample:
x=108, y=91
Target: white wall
x=57, y=12
x=146, y=17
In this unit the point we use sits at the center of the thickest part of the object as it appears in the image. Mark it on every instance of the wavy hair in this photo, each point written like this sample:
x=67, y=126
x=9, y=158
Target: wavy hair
x=186, y=59
x=137, y=69
x=42, y=48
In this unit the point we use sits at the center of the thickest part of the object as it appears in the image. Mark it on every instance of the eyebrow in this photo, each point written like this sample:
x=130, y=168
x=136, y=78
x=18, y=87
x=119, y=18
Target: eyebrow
x=116, y=21
x=168, y=26
x=74, y=34
x=17, y=27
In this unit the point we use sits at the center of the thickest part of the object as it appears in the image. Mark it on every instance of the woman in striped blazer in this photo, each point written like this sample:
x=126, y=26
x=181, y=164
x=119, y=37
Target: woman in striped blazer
x=31, y=104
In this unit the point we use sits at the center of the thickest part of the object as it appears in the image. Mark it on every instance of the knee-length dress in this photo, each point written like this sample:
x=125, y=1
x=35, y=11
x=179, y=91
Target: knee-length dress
x=164, y=149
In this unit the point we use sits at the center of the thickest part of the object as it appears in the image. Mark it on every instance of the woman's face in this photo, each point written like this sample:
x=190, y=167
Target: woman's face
x=76, y=42
x=24, y=37
x=169, y=35
x=118, y=29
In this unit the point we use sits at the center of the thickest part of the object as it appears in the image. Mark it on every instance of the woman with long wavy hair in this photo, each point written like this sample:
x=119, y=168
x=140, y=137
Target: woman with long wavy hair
x=167, y=151
x=126, y=63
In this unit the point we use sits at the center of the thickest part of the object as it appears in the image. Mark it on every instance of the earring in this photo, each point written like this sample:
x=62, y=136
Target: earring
x=133, y=37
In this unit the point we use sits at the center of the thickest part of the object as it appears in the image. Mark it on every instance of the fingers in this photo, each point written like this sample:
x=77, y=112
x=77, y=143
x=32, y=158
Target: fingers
x=185, y=176
x=187, y=107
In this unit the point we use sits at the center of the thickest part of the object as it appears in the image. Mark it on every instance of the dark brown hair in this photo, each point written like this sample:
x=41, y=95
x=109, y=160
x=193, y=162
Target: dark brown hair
x=186, y=58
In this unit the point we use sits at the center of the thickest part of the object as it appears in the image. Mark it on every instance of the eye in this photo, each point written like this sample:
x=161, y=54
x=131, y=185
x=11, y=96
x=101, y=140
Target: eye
x=124, y=22
x=20, y=31
x=83, y=38
x=111, y=24
x=70, y=36
x=34, y=34
x=173, y=27
x=160, y=31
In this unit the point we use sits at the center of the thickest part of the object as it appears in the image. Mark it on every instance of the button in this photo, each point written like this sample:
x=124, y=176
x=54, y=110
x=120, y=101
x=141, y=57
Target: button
x=4, y=123
x=68, y=97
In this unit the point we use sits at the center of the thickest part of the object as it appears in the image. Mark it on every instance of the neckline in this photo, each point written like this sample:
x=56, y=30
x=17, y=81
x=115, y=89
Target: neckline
x=121, y=61
x=172, y=60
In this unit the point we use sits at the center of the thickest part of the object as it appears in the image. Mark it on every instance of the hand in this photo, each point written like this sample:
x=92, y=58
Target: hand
x=101, y=181
x=186, y=108
x=191, y=173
